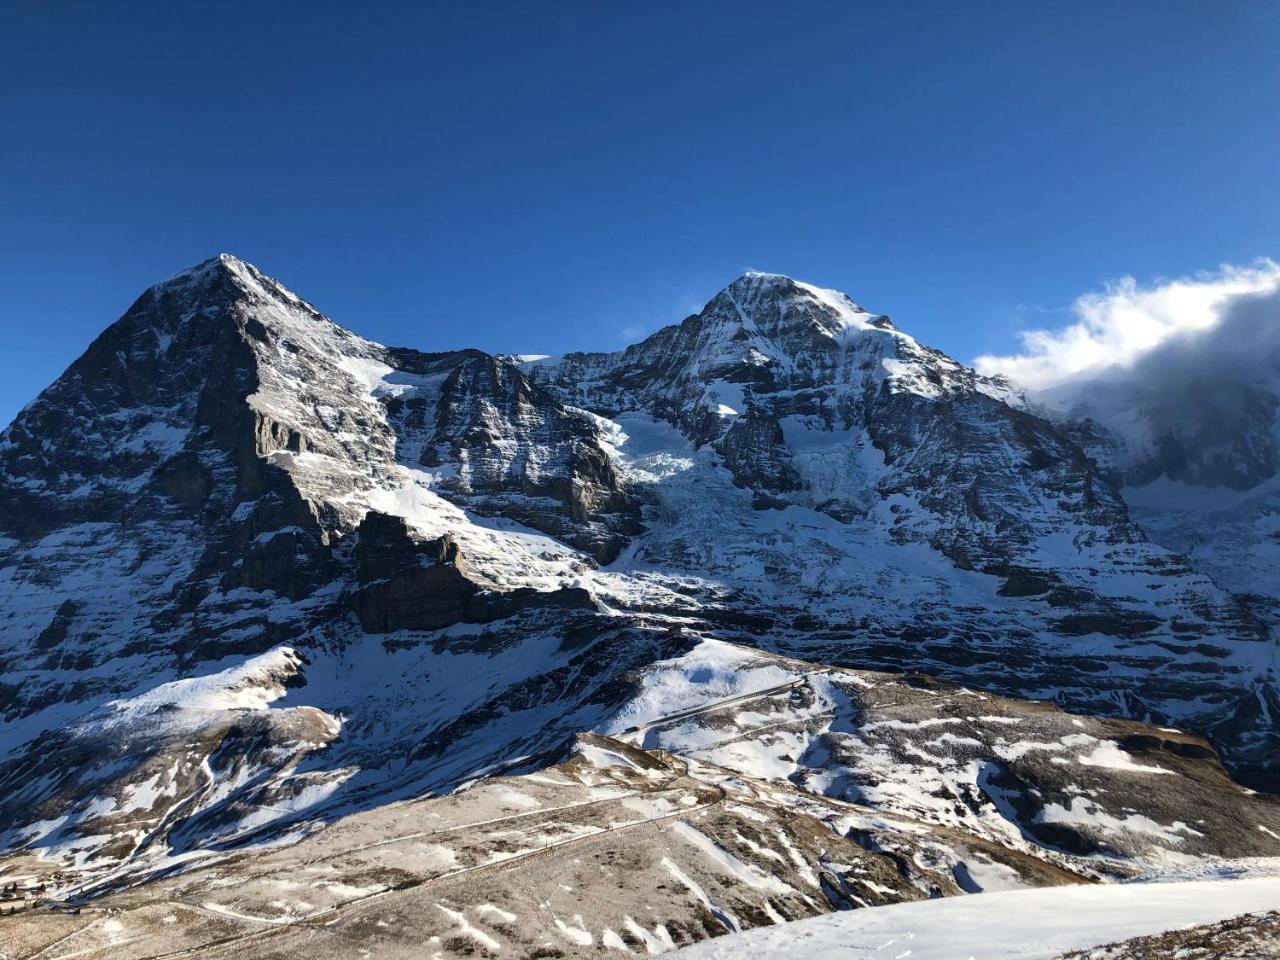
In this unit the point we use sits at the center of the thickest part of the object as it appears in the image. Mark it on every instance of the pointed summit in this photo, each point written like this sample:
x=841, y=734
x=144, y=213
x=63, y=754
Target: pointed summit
x=223, y=261
x=206, y=359
x=780, y=315
x=223, y=266
x=222, y=273
x=776, y=304
x=763, y=275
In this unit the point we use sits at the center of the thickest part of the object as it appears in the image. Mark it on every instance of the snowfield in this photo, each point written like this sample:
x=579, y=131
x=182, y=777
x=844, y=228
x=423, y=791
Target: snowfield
x=1022, y=924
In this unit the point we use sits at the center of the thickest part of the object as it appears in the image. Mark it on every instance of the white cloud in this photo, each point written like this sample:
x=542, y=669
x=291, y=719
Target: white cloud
x=1116, y=328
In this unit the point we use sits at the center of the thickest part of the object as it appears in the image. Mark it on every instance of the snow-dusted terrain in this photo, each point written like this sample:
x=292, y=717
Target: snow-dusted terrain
x=1027, y=925
x=265, y=582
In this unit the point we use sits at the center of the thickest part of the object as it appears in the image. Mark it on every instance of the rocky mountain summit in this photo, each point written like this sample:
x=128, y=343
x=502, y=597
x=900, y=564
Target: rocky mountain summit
x=265, y=581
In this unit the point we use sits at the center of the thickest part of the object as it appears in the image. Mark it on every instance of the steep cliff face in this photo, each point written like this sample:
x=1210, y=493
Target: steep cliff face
x=505, y=447
x=439, y=565
x=205, y=455
x=144, y=521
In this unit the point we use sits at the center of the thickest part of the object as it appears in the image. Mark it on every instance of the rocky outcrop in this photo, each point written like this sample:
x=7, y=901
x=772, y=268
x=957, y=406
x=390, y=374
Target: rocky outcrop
x=511, y=449
x=408, y=583
x=1249, y=936
x=755, y=451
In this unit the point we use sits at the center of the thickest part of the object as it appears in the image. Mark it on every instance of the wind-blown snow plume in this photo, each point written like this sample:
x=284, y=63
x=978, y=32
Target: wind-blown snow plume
x=1118, y=328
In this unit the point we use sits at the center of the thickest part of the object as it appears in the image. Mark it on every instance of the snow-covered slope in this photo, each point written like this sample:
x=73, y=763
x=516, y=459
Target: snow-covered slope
x=1109, y=797
x=1027, y=925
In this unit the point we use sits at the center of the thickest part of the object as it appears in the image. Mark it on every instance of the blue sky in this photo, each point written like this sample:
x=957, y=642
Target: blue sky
x=553, y=176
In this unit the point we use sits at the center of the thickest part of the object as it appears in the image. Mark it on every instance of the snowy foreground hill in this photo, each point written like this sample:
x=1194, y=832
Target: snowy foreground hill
x=1039, y=925
x=309, y=644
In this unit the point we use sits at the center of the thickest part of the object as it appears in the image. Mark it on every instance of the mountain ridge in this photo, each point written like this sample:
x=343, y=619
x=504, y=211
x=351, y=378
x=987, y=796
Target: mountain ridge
x=396, y=572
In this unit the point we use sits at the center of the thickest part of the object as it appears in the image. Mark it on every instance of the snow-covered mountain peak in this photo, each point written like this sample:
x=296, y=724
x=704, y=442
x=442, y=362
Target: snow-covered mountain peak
x=764, y=349
x=208, y=275
x=221, y=265
x=780, y=308
x=212, y=284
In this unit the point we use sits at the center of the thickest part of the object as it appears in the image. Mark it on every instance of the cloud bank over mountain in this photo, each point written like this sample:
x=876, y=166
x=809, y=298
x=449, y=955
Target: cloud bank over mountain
x=1179, y=380
x=1226, y=321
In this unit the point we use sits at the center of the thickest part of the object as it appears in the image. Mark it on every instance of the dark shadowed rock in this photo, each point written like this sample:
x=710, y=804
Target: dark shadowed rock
x=409, y=583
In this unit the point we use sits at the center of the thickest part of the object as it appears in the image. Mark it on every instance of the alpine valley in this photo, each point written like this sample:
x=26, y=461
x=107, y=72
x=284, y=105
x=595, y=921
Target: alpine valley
x=313, y=646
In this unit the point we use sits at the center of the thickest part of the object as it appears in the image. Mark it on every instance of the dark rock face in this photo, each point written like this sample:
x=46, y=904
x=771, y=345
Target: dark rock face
x=56, y=632
x=287, y=562
x=411, y=584
x=385, y=547
x=420, y=598
x=408, y=584
x=517, y=452
x=754, y=450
